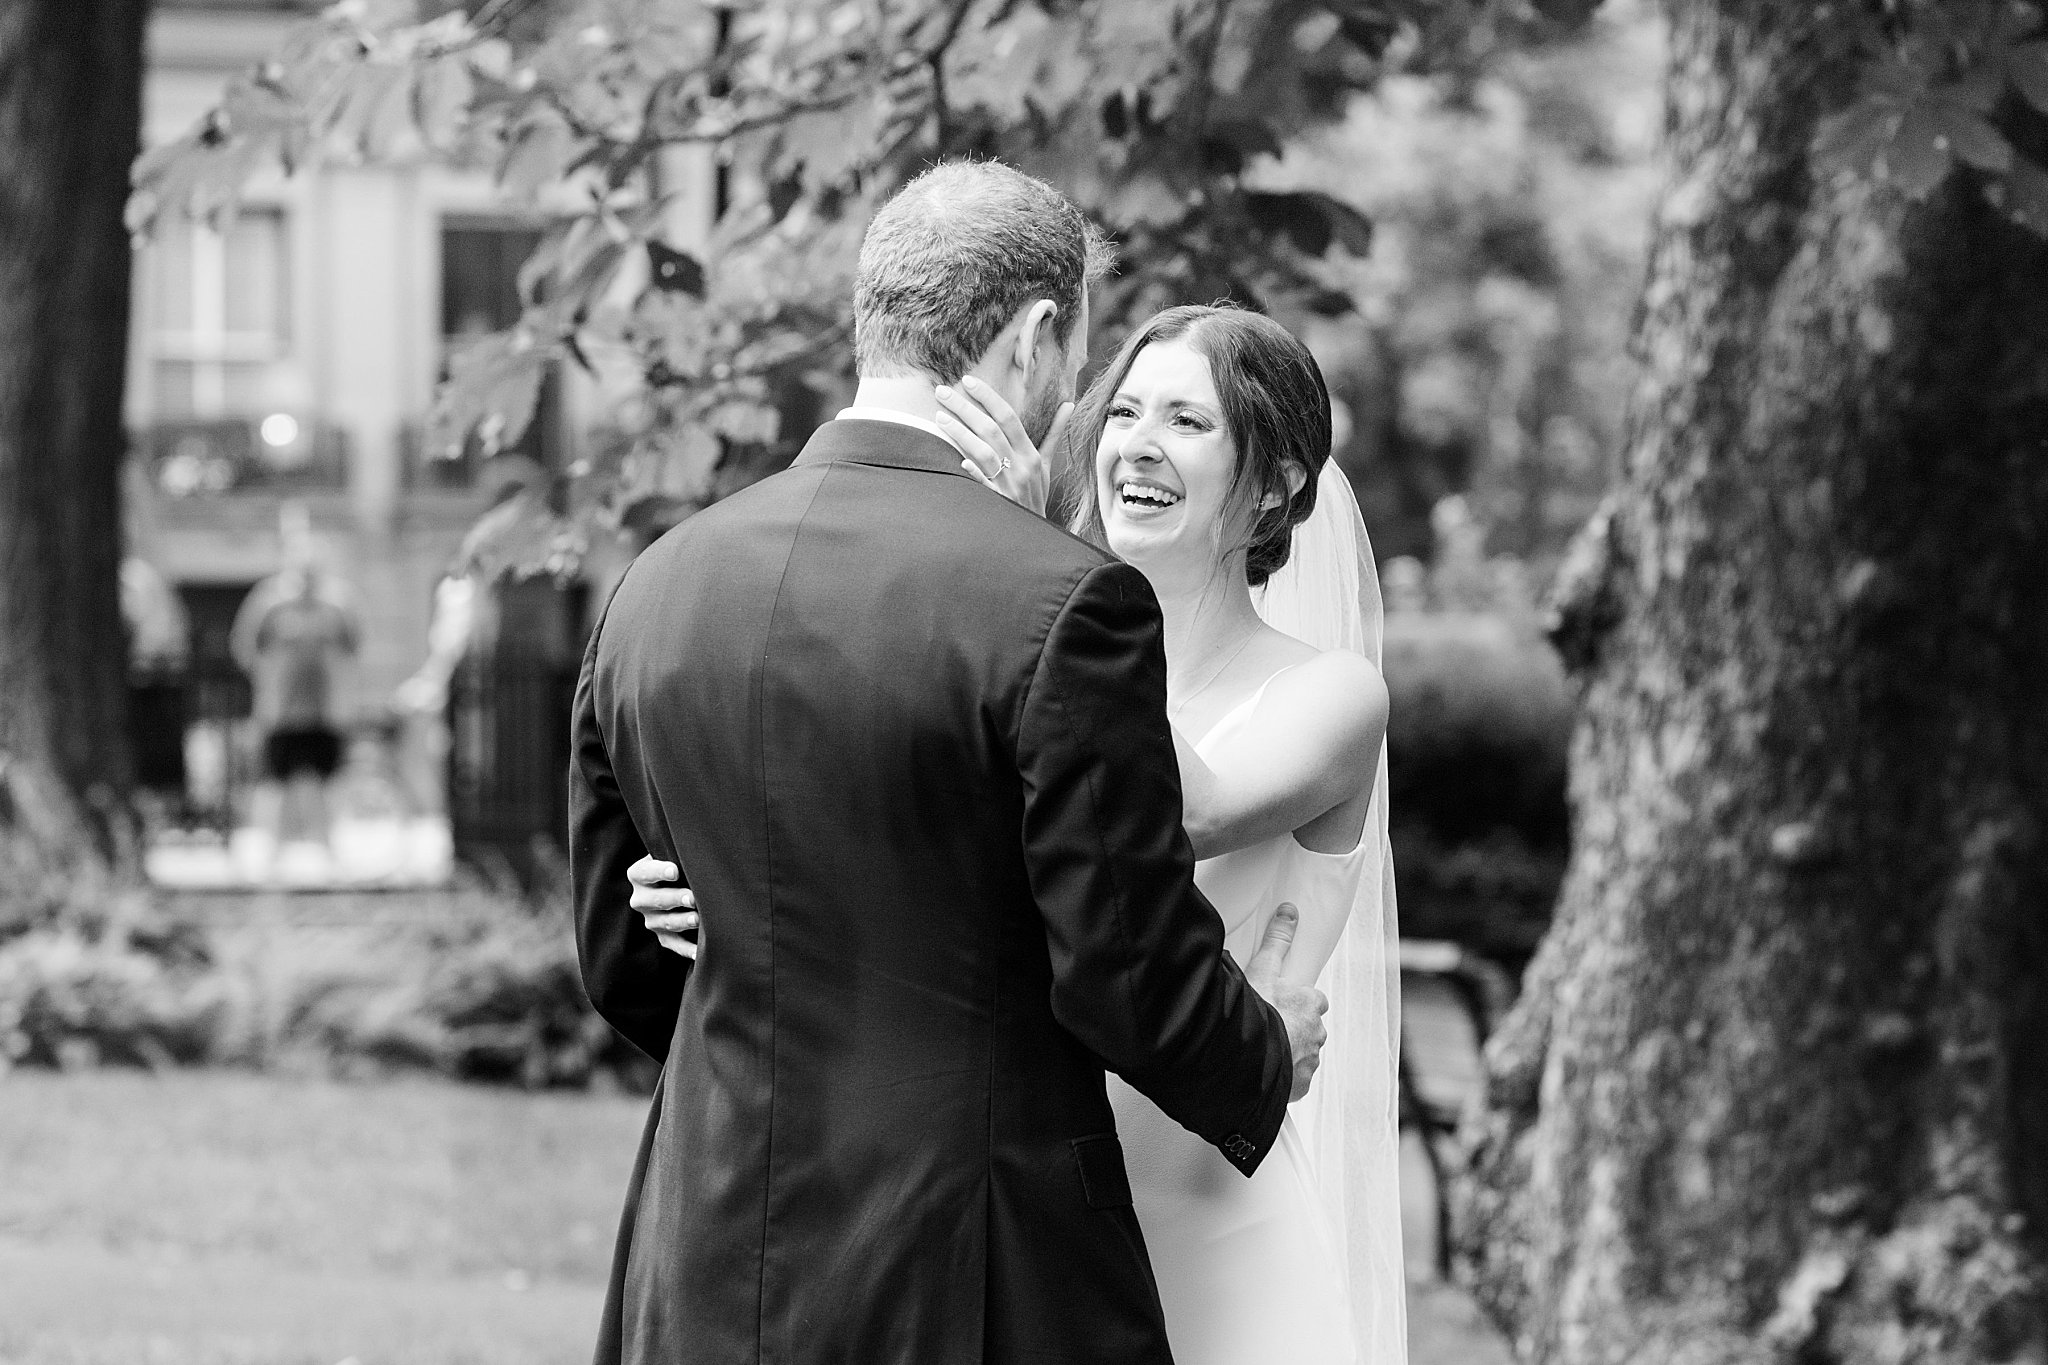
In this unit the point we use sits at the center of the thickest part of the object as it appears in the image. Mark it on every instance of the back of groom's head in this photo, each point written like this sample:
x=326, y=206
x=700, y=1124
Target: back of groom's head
x=948, y=262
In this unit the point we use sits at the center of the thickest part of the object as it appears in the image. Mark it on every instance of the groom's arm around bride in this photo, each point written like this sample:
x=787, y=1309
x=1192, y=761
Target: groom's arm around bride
x=1139, y=979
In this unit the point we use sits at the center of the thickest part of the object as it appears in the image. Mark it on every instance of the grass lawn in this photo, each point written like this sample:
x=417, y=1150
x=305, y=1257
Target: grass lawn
x=215, y=1218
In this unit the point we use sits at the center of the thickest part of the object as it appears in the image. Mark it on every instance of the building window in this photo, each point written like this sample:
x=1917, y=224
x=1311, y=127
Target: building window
x=480, y=261
x=219, y=316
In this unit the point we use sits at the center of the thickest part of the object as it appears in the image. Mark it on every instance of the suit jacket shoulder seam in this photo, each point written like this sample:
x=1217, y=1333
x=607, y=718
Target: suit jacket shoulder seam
x=768, y=884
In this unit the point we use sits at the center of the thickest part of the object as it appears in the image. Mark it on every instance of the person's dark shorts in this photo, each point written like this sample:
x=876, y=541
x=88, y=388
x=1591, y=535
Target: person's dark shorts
x=156, y=734
x=315, y=750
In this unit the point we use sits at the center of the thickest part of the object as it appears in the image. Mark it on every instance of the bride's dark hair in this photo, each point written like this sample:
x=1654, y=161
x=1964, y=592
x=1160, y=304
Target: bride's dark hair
x=1275, y=407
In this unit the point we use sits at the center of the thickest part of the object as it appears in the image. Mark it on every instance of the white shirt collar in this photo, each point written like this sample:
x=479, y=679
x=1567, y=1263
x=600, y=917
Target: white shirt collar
x=872, y=414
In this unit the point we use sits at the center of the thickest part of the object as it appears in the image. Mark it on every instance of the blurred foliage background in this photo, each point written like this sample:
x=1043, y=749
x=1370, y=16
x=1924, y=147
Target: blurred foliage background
x=1448, y=199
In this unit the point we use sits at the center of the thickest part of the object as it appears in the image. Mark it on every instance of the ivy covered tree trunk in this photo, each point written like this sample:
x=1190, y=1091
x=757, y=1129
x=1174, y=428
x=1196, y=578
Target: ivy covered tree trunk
x=1777, y=1088
x=70, y=97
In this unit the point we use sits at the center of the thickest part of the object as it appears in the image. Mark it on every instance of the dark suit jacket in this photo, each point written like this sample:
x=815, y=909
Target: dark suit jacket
x=908, y=743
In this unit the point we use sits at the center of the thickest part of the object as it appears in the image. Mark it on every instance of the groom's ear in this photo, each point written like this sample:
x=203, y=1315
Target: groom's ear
x=1035, y=338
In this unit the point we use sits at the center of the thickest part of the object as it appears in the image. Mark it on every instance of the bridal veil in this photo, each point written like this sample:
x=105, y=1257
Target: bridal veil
x=1328, y=595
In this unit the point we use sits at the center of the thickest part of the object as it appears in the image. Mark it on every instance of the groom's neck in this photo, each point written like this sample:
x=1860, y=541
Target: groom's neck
x=911, y=394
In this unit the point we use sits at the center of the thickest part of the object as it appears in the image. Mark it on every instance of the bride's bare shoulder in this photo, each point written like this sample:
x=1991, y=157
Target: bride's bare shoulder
x=1336, y=682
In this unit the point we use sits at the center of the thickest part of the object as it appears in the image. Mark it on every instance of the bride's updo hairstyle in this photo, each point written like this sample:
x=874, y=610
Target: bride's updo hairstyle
x=1275, y=407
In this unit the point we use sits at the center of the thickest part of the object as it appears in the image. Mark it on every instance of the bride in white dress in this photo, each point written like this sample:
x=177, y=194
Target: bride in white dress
x=1203, y=460
x=1213, y=430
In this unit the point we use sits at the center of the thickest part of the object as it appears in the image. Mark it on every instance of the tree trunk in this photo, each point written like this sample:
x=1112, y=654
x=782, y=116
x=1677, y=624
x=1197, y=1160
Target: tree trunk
x=70, y=103
x=1777, y=1088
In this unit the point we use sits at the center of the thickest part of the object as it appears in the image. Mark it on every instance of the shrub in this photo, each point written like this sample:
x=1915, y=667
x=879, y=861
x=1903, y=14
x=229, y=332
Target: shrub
x=70, y=998
x=489, y=994
x=500, y=1001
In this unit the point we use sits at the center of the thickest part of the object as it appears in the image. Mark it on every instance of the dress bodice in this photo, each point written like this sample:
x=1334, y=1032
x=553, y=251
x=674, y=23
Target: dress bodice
x=1247, y=884
x=1249, y=1271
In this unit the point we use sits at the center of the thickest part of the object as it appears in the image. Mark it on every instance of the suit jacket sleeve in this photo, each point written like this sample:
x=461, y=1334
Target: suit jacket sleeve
x=1139, y=971
x=632, y=981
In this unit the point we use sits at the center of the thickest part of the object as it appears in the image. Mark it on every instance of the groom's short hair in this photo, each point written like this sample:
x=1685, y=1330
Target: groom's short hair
x=949, y=260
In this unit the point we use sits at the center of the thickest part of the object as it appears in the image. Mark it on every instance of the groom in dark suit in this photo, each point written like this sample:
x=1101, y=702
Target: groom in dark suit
x=907, y=742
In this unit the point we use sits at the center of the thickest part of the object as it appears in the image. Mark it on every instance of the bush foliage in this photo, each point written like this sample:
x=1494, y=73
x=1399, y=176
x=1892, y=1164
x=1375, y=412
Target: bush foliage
x=489, y=994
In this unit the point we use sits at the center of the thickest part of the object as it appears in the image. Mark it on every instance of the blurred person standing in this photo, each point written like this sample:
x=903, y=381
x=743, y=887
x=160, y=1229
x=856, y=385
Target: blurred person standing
x=159, y=659
x=296, y=635
x=159, y=651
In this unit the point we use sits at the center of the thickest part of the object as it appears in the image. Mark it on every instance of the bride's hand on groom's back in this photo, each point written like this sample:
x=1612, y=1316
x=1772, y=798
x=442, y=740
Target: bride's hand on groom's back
x=1301, y=1007
x=669, y=910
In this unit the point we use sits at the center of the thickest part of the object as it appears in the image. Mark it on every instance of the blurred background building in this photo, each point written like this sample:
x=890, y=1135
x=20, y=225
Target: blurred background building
x=290, y=355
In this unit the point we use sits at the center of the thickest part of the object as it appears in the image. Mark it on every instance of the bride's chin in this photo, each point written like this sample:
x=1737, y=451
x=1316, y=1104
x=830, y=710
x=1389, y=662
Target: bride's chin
x=1140, y=545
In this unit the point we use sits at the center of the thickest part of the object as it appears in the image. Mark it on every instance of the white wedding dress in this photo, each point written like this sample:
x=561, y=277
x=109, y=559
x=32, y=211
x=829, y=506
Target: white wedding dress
x=1300, y=1264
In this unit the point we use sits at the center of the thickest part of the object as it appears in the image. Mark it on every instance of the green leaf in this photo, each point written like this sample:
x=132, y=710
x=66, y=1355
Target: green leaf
x=1312, y=220
x=523, y=537
x=1918, y=156
x=537, y=153
x=1352, y=230
x=675, y=271
x=1143, y=200
x=1849, y=142
x=493, y=383
x=744, y=422
x=1960, y=131
x=830, y=143
x=2026, y=66
x=1978, y=90
x=568, y=273
x=441, y=100
x=369, y=98
x=994, y=69
x=2026, y=196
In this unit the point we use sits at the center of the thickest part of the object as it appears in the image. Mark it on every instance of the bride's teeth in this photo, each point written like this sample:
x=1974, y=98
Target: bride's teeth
x=1140, y=493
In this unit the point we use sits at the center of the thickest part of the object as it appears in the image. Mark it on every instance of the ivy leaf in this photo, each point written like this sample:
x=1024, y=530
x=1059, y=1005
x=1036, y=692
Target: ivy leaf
x=1978, y=90
x=830, y=143
x=361, y=122
x=493, y=384
x=1919, y=155
x=1143, y=201
x=2026, y=196
x=1352, y=230
x=744, y=422
x=2026, y=66
x=523, y=537
x=993, y=68
x=441, y=100
x=1311, y=220
x=566, y=275
x=537, y=154
x=1850, y=141
x=675, y=271
x=1965, y=133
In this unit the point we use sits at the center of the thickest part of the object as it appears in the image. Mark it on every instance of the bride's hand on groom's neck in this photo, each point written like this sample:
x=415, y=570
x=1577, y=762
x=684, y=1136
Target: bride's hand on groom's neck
x=1301, y=1007
x=999, y=451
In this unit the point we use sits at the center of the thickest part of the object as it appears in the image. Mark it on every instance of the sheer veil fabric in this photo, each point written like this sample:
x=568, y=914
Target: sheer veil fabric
x=1328, y=595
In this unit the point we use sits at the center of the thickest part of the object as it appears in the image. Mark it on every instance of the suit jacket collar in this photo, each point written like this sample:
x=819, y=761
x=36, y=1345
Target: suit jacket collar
x=890, y=444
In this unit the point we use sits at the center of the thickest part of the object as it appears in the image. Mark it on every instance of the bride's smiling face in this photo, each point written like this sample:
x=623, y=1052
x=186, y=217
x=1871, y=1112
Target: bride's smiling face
x=1164, y=466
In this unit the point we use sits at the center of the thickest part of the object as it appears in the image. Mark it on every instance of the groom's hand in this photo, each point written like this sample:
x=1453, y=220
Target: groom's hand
x=1301, y=1007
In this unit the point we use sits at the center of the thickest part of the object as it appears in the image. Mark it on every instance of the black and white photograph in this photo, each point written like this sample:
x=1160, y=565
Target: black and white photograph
x=1024, y=682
